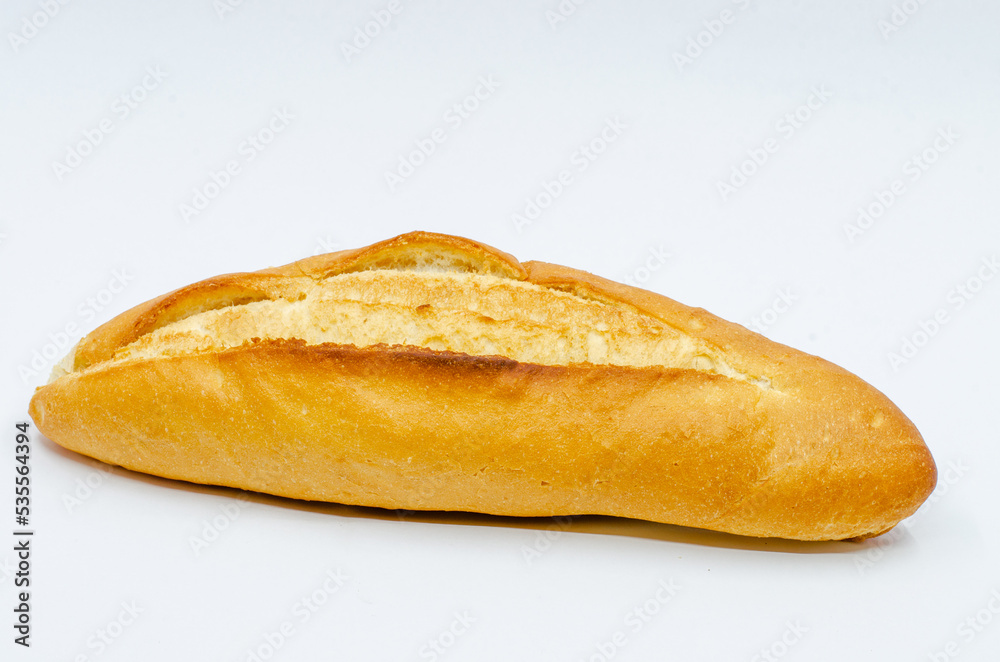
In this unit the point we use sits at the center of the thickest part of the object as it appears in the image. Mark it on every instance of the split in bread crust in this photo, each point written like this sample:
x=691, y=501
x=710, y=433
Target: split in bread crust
x=475, y=314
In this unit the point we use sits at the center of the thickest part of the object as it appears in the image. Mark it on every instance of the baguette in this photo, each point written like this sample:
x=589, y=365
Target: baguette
x=432, y=372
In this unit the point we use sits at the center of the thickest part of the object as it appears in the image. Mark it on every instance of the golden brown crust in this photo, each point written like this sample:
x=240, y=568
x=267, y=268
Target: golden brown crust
x=815, y=454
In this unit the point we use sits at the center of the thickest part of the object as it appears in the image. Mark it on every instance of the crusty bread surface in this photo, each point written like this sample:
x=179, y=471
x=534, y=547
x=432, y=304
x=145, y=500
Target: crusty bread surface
x=435, y=372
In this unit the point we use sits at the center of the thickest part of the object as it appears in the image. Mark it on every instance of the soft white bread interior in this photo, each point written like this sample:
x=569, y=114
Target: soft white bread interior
x=508, y=388
x=469, y=313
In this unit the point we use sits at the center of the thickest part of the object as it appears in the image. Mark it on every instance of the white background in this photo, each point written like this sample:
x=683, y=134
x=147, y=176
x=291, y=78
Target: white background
x=882, y=95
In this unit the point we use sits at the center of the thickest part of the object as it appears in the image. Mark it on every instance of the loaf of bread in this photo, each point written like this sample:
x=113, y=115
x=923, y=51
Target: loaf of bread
x=431, y=372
